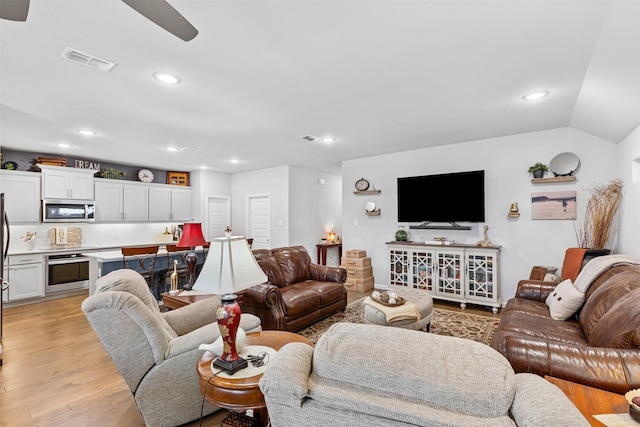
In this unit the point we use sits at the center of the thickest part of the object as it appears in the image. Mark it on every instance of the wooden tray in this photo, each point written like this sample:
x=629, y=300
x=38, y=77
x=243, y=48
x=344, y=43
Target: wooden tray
x=399, y=301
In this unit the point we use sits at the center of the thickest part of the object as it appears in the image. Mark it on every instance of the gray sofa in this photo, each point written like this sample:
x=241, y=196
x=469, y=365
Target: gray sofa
x=376, y=376
x=156, y=353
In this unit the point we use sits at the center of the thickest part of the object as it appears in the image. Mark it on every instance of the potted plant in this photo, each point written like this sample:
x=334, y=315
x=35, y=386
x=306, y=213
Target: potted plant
x=112, y=173
x=538, y=169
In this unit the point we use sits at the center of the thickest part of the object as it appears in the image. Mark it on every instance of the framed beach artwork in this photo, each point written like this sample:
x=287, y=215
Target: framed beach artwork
x=553, y=205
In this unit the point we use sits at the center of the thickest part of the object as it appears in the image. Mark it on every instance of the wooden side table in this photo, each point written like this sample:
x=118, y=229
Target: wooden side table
x=241, y=394
x=322, y=252
x=591, y=401
x=172, y=302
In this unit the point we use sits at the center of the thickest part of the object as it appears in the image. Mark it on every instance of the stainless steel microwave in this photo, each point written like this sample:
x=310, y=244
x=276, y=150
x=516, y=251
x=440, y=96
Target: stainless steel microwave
x=56, y=210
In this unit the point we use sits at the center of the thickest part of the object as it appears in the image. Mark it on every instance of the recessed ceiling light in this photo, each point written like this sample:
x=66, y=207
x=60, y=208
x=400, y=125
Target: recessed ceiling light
x=166, y=78
x=203, y=167
x=328, y=139
x=533, y=96
x=234, y=161
x=63, y=145
x=171, y=148
x=86, y=132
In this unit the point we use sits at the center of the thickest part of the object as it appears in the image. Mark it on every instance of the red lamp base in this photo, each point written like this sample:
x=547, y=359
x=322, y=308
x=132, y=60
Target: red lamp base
x=228, y=316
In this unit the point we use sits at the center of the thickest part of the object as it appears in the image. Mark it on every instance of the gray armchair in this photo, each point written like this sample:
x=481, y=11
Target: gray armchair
x=379, y=376
x=156, y=353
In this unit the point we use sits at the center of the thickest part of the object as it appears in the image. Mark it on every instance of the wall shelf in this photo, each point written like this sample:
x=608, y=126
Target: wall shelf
x=553, y=179
x=367, y=192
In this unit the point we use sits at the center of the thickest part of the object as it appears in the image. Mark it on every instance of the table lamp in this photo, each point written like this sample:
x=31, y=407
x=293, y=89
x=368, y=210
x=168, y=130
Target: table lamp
x=191, y=237
x=230, y=267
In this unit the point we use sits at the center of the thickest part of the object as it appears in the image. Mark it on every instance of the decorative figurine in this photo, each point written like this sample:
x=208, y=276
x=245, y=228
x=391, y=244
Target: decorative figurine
x=227, y=232
x=485, y=241
x=513, y=210
x=174, y=279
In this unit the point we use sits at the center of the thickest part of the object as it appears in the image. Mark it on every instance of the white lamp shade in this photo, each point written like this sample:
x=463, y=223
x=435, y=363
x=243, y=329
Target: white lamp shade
x=229, y=267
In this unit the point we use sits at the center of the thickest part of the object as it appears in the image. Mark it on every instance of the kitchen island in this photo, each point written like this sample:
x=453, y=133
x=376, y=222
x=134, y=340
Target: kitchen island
x=102, y=263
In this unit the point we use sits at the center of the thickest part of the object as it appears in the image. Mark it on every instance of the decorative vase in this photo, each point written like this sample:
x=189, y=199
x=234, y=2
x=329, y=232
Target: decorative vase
x=228, y=317
x=401, y=236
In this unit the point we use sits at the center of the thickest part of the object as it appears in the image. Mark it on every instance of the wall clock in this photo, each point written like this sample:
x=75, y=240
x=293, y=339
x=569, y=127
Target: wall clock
x=145, y=175
x=362, y=184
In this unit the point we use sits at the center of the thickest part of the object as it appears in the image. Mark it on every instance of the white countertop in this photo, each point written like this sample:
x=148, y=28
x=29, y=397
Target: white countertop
x=116, y=255
x=85, y=250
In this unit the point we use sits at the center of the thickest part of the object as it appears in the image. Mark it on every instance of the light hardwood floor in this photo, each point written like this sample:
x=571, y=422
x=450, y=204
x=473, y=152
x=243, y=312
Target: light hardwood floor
x=56, y=373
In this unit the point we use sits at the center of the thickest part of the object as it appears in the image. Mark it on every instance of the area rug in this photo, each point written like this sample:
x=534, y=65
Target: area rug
x=444, y=322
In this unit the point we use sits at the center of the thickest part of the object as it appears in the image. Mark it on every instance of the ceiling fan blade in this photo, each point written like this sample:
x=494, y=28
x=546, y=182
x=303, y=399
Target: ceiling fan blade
x=164, y=15
x=14, y=10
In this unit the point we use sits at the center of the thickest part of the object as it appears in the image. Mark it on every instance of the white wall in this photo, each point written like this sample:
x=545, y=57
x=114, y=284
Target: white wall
x=505, y=160
x=629, y=165
x=205, y=184
x=316, y=209
x=275, y=183
x=302, y=211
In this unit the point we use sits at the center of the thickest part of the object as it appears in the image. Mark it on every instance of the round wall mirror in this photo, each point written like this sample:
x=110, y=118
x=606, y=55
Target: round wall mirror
x=370, y=207
x=564, y=164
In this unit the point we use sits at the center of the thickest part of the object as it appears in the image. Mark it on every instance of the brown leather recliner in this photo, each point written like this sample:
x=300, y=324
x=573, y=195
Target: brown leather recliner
x=599, y=346
x=298, y=293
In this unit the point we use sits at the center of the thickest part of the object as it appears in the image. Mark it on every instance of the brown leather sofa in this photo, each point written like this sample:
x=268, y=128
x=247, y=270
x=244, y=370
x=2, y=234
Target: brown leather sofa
x=298, y=293
x=599, y=346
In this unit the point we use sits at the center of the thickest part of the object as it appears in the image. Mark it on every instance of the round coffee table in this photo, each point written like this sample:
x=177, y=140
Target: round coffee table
x=241, y=394
x=421, y=298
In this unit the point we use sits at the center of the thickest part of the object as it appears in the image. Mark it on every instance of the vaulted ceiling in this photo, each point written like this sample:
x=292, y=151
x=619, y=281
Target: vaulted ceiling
x=379, y=76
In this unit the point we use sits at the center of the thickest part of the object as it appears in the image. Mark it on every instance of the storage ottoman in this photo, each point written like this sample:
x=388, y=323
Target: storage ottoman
x=421, y=298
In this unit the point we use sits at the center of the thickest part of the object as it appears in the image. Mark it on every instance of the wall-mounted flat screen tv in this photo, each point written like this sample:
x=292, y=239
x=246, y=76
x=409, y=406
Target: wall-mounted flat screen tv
x=451, y=197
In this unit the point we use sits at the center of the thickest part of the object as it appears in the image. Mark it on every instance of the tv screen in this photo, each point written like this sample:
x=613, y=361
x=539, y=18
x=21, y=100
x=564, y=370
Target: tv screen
x=451, y=197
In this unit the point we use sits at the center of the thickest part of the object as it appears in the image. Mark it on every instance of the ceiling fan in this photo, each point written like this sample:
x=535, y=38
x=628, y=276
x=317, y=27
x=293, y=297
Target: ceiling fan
x=157, y=11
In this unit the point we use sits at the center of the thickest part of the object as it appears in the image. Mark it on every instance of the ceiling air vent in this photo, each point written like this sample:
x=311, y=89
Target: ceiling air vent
x=87, y=59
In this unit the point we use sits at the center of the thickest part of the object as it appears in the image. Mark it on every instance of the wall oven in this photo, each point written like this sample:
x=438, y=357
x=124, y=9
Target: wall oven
x=68, y=210
x=66, y=272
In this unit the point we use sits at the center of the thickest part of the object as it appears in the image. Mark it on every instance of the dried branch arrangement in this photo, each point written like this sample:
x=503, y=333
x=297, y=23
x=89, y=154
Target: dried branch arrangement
x=601, y=215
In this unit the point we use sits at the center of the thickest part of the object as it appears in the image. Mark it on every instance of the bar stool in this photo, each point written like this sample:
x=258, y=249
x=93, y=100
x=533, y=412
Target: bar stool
x=143, y=260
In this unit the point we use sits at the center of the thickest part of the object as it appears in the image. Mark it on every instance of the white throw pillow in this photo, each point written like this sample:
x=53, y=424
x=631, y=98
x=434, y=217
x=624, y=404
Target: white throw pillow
x=564, y=300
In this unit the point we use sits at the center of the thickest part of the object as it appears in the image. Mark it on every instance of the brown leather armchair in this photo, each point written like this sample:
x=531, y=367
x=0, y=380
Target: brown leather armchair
x=599, y=346
x=298, y=293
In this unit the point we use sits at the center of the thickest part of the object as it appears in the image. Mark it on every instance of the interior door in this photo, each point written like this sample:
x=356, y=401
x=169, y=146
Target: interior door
x=260, y=221
x=218, y=217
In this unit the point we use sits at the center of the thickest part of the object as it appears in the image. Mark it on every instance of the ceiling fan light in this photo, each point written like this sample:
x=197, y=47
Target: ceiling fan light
x=533, y=96
x=166, y=78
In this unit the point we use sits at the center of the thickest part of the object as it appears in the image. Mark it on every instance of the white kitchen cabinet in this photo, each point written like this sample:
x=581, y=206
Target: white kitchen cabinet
x=67, y=183
x=22, y=196
x=121, y=201
x=25, y=275
x=168, y=203
x=461, y=273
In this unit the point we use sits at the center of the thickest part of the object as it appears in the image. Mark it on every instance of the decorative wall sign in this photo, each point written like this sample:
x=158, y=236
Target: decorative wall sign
x=178, y=178
x=553, y=205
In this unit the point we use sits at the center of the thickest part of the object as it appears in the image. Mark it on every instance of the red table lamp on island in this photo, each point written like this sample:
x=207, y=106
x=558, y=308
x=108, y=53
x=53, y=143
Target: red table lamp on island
x=191, y=237
x=230, y=267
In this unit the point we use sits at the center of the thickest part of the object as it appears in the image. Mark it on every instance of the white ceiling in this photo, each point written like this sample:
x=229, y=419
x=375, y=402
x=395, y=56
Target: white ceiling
x=380, y=76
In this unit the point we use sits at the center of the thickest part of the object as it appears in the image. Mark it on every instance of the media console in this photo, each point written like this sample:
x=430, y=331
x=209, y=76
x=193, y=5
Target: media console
x=428, y=226
x=461, y=273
